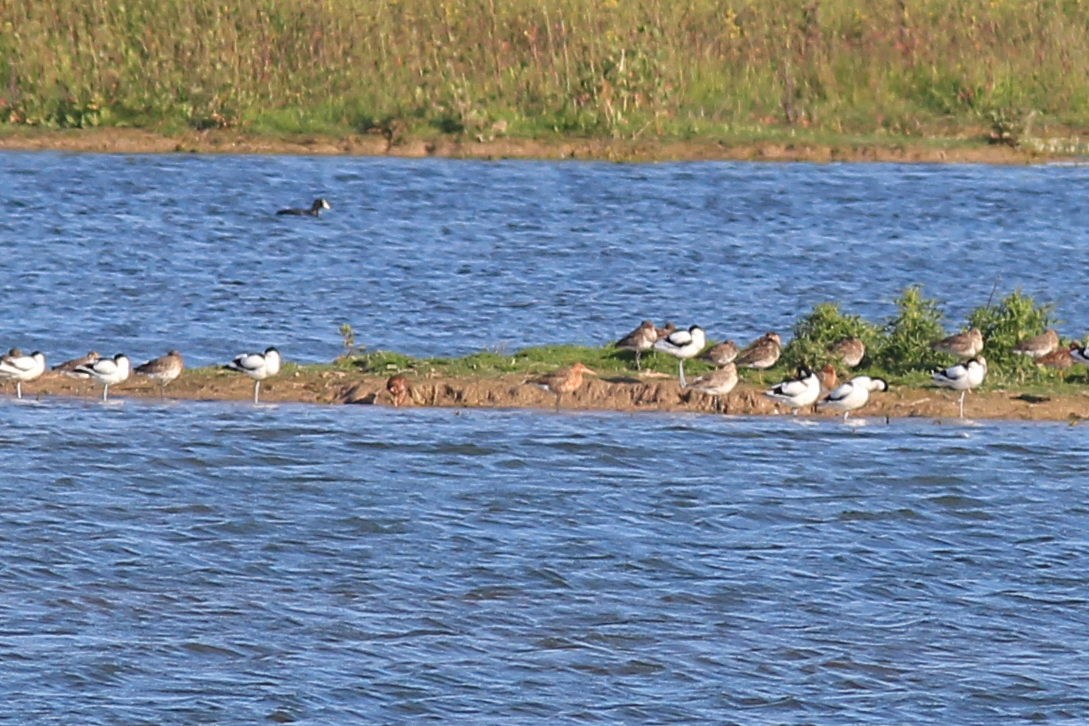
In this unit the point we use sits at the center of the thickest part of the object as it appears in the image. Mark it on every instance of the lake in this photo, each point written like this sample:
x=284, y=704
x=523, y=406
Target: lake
x=195, y=562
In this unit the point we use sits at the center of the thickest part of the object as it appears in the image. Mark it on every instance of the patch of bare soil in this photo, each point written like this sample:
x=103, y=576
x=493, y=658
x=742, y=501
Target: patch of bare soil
x=137, y=141
x=620, y=393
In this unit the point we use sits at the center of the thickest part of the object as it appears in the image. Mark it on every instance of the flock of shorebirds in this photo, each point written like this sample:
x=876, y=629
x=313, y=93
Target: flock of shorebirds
x=23, y=368
x=810, y=388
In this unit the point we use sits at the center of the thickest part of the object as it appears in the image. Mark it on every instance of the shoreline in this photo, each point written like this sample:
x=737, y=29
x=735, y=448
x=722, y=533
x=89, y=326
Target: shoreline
x=140, y=141
x=610, y=393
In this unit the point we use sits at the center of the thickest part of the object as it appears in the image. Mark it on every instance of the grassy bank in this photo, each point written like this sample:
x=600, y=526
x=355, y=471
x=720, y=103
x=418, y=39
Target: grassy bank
x=824, y=71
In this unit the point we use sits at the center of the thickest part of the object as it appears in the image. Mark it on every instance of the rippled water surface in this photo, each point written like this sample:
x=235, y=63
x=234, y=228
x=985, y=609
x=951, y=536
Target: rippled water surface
x=181, y=563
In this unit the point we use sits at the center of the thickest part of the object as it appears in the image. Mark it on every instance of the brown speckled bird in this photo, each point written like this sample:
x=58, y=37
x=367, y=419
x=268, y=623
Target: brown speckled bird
x=398, y=389
x=850, y=350
x=828, y=377
x=565, y=380
x=69, y=366
x=762, y=353
x=1040, y=345
x=642, y=338
x=1060, y=359
x=968, y=344
x=721, y=354
x=163, y=369
x=665, y=330
x=717, y=383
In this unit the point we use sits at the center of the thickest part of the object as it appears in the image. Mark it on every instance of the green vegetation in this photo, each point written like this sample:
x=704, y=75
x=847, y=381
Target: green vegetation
x=898, y=349
x=739, y=70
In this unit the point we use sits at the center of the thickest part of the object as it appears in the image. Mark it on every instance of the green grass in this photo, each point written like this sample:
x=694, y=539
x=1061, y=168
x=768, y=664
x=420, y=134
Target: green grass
x=737, y=71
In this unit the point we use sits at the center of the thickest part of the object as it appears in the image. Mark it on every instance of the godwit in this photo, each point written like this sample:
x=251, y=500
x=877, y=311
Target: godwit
x=683, y=344
x=762, y=353
x=721, y=354
x=68, y=367
x=163, y=369
x=642, y=338
x=850, y=350
x=717, y=383
x=853, y=394
x=797, y=392
x=1040, y=345
x=21, y=368
x=963, y=345
x=107, y=371
x=257, y=366
x=314, y=210
x=963, y=377
x=565, y=380
x=398, y=389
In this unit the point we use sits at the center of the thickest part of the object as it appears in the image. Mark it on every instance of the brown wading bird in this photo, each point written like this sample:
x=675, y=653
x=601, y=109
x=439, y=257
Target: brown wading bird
x=717, y=383
x=1060, y=359
x=666, y=330
x=642, y=338
x=850, y=350
x=721, y=354
x=968, y=344
x=565, y=380
x=163, y=369
x=1040, y=345
x=398, y=389
x=828, y=377
x=69, y=366
x=762, y=353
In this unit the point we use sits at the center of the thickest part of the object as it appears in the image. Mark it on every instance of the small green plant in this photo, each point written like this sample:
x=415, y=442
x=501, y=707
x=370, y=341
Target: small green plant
x=905, y=347
x=347, y=335
x=1004, y=325
x=825, y=326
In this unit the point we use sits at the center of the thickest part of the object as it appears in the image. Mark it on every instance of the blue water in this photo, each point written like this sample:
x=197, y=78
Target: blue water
x=193, y=562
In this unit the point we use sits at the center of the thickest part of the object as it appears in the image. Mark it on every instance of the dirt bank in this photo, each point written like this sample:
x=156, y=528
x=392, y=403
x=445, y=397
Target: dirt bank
x=617, y=393
x=137, y=141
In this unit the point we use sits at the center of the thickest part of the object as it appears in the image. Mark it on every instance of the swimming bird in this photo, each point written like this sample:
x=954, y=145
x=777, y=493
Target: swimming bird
x=565, y=380
x=163, y=369
x=963, y=345
x=398, y=389
x=314, y=210
x=721, y=354
x=683, y=344
x=717, y=383
x=798, y=392
x=68, y=367
x=850, y=351
x=853, y=394
x=762, y=353
x=962, y=377
x=257, y=366
x=107, y=371
x=21, y=368
x=642, y=338
x=1040, y=345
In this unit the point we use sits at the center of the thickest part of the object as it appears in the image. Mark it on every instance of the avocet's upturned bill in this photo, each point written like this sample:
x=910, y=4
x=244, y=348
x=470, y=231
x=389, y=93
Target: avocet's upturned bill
x=853, y=395
x=107, y=371
x=963, y=377
x=163, y=369
x=683, y=344
x=798, y=392
x=22, y=368
x=257, y=366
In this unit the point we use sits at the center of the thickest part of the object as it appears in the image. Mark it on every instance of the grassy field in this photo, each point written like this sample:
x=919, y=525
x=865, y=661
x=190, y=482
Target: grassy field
x=741, y=70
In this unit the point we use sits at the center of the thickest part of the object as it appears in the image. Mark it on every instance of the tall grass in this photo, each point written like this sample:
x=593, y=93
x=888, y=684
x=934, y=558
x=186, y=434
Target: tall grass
x=531, y=67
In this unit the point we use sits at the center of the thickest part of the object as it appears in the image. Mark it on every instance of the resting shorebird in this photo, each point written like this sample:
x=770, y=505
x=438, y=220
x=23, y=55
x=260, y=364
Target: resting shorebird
x=666, y=329
x=1038, y=346
x=963, y=377
x=565, y=380
x=850, y=350
x=68, y=367
x=762, y=353
x=853, y=394
x=721, y=354
x=683, y=344
x=642, y=338
x=963, y=345
x=314, y=210
x=718, y=382
x=1059, y=359
x=163, y=369
x=257, y=366
x=1079, y=353
x=828, y=377
x=797, y=392
x=107, y=371
x=398, y=389
x=21, y=368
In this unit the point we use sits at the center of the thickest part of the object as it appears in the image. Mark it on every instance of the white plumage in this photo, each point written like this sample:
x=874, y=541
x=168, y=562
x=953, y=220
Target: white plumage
x=107, y=371
x=964, y=377
x=21, y=368
x=853, y=394
x=257, y=366
x=798, y=392
x=683, y=344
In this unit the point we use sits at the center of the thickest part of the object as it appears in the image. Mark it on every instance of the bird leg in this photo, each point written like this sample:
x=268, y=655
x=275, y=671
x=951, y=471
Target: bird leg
x=638, y=364
x=680, y=365
x=256, y=389
x=962, y=395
